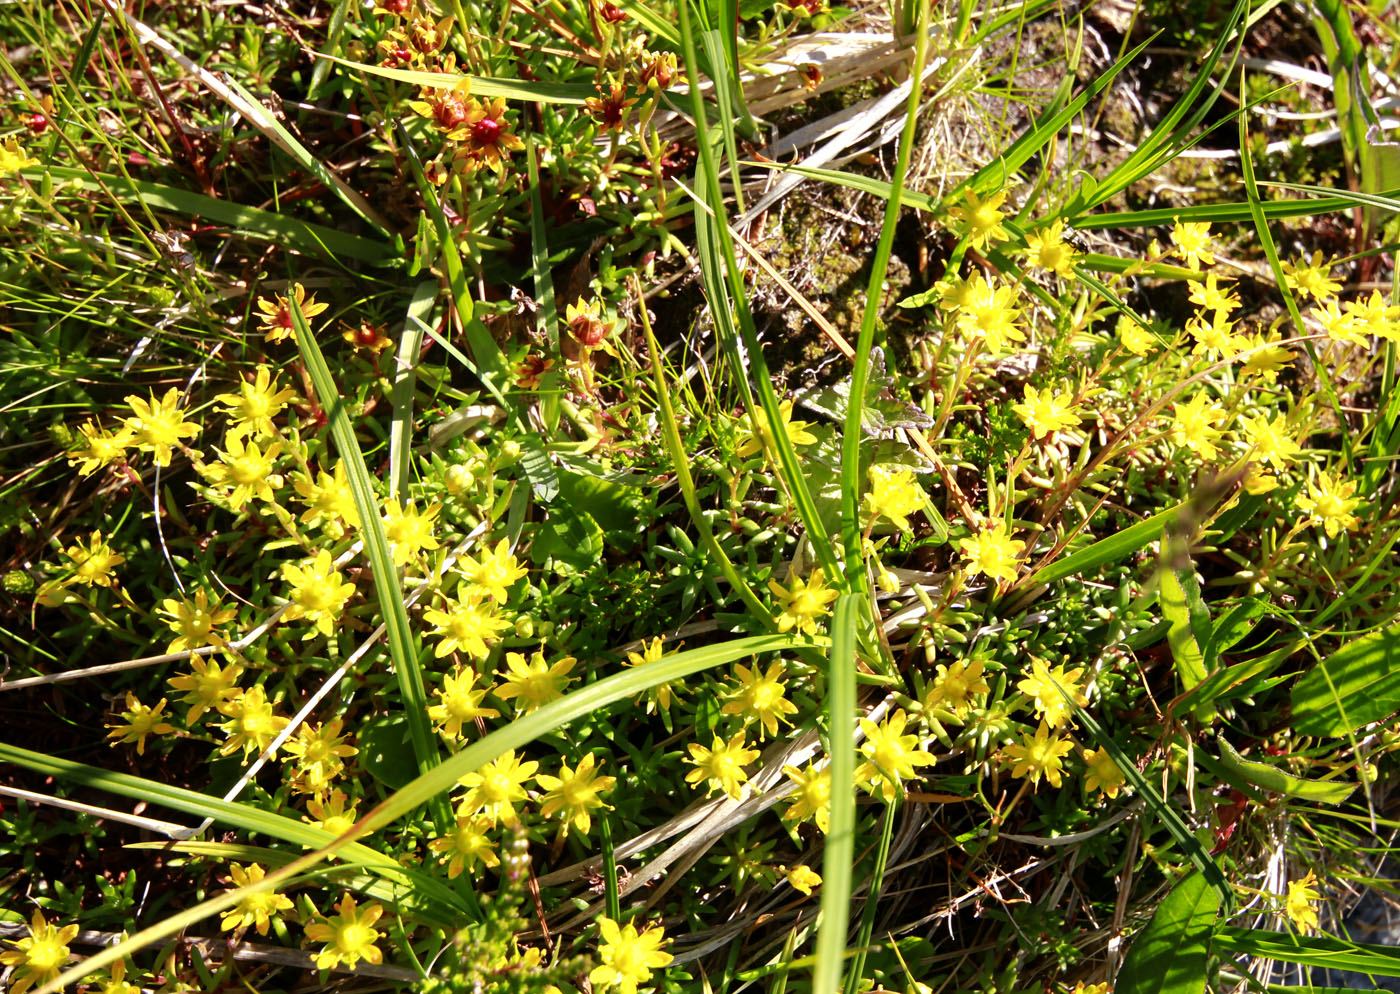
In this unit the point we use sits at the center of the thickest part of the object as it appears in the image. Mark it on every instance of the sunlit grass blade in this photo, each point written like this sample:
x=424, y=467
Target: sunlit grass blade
x=481, y=86
x=1162, y=808
x=420, y=307
x=838, y=855
x=488, y=362
x=437, y=781
x=235, y=815
x=1320, y=951
x=724, y=285
x=248, y=222
x=852, y=431
x=402, y=641
x=547, y=314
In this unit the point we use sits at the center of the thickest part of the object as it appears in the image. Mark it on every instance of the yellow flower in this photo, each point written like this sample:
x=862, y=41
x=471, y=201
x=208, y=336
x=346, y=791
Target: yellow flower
x=349, y=936
x=409, y=532
x=990, y=311
x=1263, y=362
x=320, y=753
x=277, y=320
x=208, y=686
x=465, y=624
x=760, y=697
x=328, y=498
x=256, y=404
x=1310, y=279
x=100, y=448
x=802, y=878
x=140, y=721
x=955, y=686
x=1046, y=413
x=722, y=766
x=484, y=136
x=1134, y=337
x=890, y=755
x=251, y=724
x=194, y=622
x=459, y=704
x=1256, y=481
x=585, y=322
x=1192, y=241
x=495, y=572
x=1270, y=440
x=1050, y=704
x=1048, y=250
x=1298, y=905
x=158, y=425
x=803, y=602
x=1103, y=772
x=992, y=552
x=248, y=468
x=1208, y=295
x=1373, y=316
x=331, y=815
x=12, y=160
x=40, y=955
x=1215, y=336
x=253, y=909
x=659, y=696
x=93, y=563
x=1340, y=326
x=626, y=957
x=894, y=494
x=534, y=683
x=574, y=793
x=810, y=796
x=1329, y=502
x=467, y=845
x=981, y=218
x=1193, y=425
x=1038, y=755
x=762, y=438
x=317, y=595
x=494, y=789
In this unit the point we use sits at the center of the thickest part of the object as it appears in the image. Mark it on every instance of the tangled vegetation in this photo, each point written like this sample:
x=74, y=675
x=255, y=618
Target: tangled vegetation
x=691, y=496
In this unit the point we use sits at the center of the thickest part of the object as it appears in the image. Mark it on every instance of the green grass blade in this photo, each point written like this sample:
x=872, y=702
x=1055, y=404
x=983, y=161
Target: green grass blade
x=548, y=311
x=250, y=222
x=420, y=307
x=717, y=49
x=438, y=781
x=1169, y=956
x=1160, y=807
x=403, y=643
x=233, y=814
x=1312, y=950
x=718, y=265
x=856, y=576
x=838, y=856
x=481, y=86
x=1108, y=550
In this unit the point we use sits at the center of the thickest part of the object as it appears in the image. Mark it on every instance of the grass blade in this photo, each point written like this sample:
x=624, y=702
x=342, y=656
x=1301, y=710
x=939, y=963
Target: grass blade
x=420, y=306
x=399, y=634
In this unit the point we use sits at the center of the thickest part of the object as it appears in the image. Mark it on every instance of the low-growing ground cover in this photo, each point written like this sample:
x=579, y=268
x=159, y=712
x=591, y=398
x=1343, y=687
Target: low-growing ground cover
x=596, y=496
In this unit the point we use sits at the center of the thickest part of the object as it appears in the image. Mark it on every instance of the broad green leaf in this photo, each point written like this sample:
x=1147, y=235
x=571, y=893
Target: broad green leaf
x=1366, y=676
x=1188, y=623
x=385, y=750
x=1280, y=781
x=1309, y=950
x=1236, y=623
x=1107, y=550
x=1169, y=955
